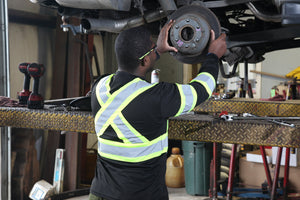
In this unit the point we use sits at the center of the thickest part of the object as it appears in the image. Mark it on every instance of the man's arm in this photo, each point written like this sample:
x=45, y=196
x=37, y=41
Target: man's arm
x=206, y=79
x=94, y=102
x=186, y=97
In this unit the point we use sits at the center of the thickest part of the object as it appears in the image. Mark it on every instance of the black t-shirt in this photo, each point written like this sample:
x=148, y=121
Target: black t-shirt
x=148, y=113
x=130, y=181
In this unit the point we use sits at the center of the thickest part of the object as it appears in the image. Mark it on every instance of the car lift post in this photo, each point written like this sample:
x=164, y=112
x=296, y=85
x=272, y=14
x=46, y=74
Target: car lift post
x=267, y=170
x=272, y=185
x=214, y=171
x=231, y=172
x=286, y=173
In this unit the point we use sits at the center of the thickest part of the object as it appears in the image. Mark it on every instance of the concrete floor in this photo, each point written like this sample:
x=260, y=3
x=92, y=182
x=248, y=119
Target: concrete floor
x=174, y=194
x=180, y=194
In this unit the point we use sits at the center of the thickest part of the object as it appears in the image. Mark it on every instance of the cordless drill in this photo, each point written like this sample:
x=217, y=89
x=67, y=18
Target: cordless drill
x=24, y=94
x=35, y=100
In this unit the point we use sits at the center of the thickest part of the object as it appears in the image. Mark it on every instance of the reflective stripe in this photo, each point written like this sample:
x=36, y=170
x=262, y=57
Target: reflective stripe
x=130, y=136
x=207, y=80
x=112, y=108
x=133, y=152
x=132, y=129
x=109, y=110
x=135, y=147
x=102, y=89
x=188, y=96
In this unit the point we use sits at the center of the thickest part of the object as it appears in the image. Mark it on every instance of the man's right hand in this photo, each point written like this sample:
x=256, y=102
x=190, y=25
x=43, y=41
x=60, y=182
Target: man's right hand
x=162, y=41
x=217, y=46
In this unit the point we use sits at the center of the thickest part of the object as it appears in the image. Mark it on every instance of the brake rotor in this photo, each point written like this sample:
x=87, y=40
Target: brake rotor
x=190, y=33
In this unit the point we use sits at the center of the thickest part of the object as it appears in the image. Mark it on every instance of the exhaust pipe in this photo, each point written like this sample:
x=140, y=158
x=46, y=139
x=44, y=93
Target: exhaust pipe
x=117, y=26
x=168, y=5
x=262, y=16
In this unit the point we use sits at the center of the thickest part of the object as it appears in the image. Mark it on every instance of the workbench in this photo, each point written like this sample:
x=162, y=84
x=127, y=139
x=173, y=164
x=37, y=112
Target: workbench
x=203, y=125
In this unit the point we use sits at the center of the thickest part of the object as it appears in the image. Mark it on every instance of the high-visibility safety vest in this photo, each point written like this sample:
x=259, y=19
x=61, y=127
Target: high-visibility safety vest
x=134, y=146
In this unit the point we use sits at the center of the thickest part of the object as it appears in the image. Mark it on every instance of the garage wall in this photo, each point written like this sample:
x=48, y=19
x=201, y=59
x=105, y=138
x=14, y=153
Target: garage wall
x=280, y=63
x=30, y=43
x=25, y=47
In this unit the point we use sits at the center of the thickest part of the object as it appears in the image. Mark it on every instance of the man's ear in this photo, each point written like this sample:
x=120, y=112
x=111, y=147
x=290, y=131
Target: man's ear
x=146, y=60
x=142, y=62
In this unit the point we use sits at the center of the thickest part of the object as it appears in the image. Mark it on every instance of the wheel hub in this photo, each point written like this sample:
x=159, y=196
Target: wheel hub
x=190, y=33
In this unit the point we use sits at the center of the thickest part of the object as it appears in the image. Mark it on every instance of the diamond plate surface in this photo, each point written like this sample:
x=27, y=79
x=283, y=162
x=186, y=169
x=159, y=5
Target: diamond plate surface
x=209, y=129
x=196, y=127
x=47, y=119
x=289, y=108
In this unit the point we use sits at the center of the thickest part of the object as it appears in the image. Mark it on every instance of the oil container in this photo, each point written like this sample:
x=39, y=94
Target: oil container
x=175, y=169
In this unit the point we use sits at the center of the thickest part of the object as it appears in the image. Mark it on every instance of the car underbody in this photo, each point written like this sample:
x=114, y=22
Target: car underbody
x=253, y=27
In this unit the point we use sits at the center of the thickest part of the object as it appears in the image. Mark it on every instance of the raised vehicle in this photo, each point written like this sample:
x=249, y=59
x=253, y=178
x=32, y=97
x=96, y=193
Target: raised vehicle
x=253, y=27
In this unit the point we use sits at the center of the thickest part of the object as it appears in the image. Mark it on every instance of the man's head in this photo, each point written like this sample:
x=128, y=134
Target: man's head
x=130, y=47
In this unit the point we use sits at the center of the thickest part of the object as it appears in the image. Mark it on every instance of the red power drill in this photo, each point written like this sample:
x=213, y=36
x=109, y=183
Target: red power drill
x=24, y=94
x=35, y=100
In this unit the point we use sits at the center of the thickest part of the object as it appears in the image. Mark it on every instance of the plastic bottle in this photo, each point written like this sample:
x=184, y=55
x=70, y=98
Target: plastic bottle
x=175, y=170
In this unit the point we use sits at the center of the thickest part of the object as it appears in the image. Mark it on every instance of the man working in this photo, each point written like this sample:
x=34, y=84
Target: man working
x=131, y=116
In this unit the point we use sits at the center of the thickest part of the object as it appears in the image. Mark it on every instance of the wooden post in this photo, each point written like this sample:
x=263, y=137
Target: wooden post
x=190, y=71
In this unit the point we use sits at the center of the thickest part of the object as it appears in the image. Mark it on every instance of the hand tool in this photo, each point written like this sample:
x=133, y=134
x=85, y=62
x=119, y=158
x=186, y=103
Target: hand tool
x=270, y=118
x=35, y=100
x=24, y=94
x=249, y=116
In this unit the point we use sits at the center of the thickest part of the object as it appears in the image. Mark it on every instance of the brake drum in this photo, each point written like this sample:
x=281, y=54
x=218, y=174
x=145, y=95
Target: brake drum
x=190, y=33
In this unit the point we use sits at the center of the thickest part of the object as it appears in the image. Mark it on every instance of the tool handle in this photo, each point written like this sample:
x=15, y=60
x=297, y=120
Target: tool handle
x=282, y=123
x=269, y=74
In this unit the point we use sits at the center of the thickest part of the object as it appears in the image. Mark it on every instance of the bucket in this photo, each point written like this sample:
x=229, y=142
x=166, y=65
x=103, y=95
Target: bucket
x=197, y=157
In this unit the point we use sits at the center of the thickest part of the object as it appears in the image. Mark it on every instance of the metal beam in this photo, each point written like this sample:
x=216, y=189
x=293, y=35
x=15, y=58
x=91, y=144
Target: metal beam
x=23, y=17
x=5, y=160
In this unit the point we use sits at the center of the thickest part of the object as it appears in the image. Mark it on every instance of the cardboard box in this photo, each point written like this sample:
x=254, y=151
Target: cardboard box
x=255, y=156
x=252, y=174
x=294, y=158
x=41, y=190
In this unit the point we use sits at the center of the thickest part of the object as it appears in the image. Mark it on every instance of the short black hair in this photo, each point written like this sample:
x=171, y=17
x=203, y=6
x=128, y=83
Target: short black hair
x=130, y=45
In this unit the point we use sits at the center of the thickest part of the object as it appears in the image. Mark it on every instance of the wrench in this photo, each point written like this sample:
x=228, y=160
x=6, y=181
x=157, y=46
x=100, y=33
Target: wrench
x=254, y=117
x=270, y=119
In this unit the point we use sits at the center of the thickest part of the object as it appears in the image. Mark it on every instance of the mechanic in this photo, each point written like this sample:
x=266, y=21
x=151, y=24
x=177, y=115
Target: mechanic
x=131, y=115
